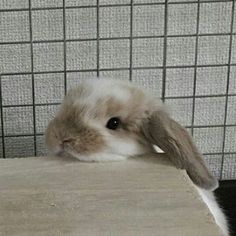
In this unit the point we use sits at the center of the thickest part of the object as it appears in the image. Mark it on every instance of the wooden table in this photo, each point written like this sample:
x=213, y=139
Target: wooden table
x=142, y=196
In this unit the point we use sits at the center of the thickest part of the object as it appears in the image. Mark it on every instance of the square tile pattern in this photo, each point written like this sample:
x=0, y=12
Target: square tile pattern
x=145, y=20
x=22, y=87
x=215, y=18
x=114, y=22
x=48, y=57
x=14, y=26
x=114, y=54
x=81, y=55
x=127, y=42
x=148, y=52
x=47, y=25
x=179, y=82
x=49, y=88
x=182, y=19
x=81, y=23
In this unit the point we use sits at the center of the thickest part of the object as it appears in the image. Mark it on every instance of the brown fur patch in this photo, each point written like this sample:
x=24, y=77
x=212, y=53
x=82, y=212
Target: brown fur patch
x=78, y=136
x=88, y=141
x=108, y=107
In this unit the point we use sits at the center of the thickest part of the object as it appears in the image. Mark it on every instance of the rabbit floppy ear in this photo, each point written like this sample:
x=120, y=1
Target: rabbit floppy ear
x=174, y=140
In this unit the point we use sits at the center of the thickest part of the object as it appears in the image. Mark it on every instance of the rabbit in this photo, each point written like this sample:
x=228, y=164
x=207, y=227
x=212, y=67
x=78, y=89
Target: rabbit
x=111, y=120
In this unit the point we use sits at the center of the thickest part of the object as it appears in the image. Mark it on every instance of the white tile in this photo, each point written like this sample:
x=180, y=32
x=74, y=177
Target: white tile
x=149, y=1
x=81, y=55
x=17, y=147
x=48, y=56
x=213, y=163
x=43, y=116
x=49, y=88
x=229, y=168
x=16, y=90
x=46, y=3
x=114, y=53
x=47, y=24
x=231, y=111
x=74, y=78
x=114, y=22
x=209, y=111
x=18, y=120
x=211, y=80
x=115, y=74
x=81, y=3
x=150, y=79
x=112, y=2
x=147, y=52
x=181, y=51
x=179, y=82
x=148, y=20
x=215, y=17
x=182, y=19
x=41, y=146
x=213, y=50
x=180, y=109
x=230, y=139
x=14, y=4
x=232, y=80
x=14, y=26
x=81, y=23
x=233, y=50
x=15, y=58
x=209, y=140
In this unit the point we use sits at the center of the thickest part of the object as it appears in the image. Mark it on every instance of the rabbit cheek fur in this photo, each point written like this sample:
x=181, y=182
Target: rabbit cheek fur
x=79, y=129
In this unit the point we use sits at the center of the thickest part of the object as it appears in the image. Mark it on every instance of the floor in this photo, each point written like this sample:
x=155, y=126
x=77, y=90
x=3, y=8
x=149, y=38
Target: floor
x=226, y=195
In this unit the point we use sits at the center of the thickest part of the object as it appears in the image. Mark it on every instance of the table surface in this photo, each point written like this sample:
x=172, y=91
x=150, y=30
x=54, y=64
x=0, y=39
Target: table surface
x=136, y=197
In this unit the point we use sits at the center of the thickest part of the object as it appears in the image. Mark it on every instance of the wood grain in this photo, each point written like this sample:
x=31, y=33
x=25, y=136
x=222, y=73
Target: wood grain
x=140, y=196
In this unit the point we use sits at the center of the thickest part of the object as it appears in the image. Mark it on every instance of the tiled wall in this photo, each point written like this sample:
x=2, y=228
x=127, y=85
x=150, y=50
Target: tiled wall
x=185, y=51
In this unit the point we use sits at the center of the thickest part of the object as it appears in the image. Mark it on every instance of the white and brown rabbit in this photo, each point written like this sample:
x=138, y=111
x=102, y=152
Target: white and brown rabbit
x=104, y=120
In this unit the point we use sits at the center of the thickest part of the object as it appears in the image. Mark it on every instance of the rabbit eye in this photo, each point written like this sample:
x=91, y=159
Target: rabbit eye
x=113, y=123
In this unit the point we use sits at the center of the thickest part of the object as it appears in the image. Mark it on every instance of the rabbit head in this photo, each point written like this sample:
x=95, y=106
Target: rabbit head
x=104, y=120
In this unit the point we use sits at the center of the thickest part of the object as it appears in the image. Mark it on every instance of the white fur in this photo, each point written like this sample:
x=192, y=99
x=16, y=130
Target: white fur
x=209, y=199
x=157, y=149
x=98, y=157
x=126, y=147
x=102, y=88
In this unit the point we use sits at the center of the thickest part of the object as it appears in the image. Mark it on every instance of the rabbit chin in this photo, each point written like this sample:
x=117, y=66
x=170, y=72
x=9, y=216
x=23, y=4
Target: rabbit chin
x=98, y=157
x=115, y=150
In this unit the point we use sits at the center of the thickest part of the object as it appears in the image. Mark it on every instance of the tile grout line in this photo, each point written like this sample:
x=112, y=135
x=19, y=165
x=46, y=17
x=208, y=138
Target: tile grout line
x=227, y=88
x=114, y=5
x=131, y=42
x=98, y=39
x=117, y=69
x=195, y=68
x=64, y=47
x=2, y=122
x=32, y=76
x=167, y=98
x=164, y=52
x=116, y=38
